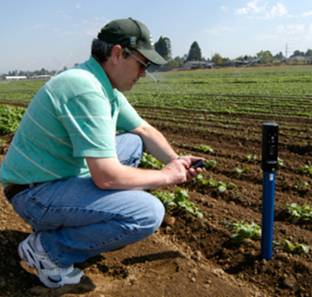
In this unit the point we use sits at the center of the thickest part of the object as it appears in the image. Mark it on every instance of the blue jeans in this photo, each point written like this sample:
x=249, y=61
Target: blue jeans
x=77, y=220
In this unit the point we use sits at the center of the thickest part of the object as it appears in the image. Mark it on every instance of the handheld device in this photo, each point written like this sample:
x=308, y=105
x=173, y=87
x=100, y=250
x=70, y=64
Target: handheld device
x=198, y=163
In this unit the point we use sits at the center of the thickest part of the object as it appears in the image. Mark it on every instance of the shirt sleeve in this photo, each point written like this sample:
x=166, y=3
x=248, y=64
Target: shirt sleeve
x=91, y=129
x=128, y=118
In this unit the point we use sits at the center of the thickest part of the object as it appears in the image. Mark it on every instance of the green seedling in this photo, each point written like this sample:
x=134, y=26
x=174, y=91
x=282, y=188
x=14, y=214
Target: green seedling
x=148, y=161
x=297, y=213
x=302, y=187
x=179, y=200
x=280, y=162
x=239, y=172
x=251, y=158
x=243, y=230
x=209, y=164
x=295, y=248
x=306, y=169
x=219, y=186
x=204, y=148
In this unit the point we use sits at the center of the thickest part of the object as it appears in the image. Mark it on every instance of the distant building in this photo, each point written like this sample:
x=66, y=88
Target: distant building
x=242, y=62
x=15, y=77
x=299, y=60
x=40, y=76
x=197, y=65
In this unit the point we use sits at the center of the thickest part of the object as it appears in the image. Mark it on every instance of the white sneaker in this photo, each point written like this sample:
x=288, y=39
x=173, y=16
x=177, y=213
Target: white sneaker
x=49, y=273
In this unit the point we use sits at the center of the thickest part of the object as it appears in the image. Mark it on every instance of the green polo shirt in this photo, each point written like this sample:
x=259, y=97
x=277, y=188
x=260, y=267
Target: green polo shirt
x=74, y=115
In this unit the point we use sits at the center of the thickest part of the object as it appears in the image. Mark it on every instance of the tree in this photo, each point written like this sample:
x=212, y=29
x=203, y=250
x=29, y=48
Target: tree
x=172, y=64
x=297, y=53
x=279, y=56
x=308, y=53
x=176, y=62
x=217, y=59
x=194, y=53
x=265, y=57
x=163, y=47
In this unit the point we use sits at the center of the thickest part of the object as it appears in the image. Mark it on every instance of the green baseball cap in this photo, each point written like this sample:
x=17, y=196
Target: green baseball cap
x=132, y=34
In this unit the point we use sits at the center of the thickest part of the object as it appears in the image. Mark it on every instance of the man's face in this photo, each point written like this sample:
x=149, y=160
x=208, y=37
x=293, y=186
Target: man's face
x=131, y=66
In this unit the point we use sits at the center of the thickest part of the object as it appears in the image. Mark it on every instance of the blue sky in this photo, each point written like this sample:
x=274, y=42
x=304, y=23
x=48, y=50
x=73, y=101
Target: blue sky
x=57, y=33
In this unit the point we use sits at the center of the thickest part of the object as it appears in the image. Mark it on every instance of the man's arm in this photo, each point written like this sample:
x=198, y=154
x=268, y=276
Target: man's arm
x=155, y=143
x=159, y=147
x=109, y=173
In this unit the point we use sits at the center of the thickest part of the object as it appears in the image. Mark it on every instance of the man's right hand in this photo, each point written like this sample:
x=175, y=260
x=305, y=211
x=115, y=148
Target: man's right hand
x=176, y=171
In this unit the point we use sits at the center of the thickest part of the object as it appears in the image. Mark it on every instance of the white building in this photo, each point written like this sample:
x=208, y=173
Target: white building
x=15, y=77
x=41, y=76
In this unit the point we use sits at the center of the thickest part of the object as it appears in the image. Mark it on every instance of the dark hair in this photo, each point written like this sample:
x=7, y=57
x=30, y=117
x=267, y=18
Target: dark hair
x=101, y=50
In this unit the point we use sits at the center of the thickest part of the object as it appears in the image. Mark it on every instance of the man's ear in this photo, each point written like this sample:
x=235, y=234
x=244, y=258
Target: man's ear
x=116, y=54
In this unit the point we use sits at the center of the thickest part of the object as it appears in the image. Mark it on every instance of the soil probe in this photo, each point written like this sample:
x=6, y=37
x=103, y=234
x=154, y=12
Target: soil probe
x=269, y=167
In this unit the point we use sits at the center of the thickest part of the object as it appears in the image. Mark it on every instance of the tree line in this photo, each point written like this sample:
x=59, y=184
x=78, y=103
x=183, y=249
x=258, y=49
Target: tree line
x=163, y=47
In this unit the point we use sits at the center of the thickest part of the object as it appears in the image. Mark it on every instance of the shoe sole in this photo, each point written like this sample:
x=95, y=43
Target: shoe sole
x=58, y=281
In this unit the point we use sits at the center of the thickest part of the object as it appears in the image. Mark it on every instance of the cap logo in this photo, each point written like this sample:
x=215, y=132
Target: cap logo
x=133, y=41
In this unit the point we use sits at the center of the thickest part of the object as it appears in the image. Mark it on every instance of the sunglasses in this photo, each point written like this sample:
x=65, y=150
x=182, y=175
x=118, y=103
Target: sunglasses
x=143, y=65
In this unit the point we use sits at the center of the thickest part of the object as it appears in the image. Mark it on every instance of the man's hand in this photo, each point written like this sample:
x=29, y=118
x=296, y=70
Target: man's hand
x=180, y=170
x=176, y=172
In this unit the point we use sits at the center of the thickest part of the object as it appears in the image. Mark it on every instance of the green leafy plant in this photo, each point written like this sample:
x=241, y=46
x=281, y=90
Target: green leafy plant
x=299, y=213
x=204, y=148
x=306, y=169
x=239, y=172
x=251, y=158
x=209, y=164
x=179, y=200
x=295, y=247
x=302, y=187
x=243, y=230
x=280, y=162
x=148, y=161
x=219, y=186
x=10, y=117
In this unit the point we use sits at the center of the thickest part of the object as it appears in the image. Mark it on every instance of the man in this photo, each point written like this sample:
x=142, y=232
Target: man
x=68, y=174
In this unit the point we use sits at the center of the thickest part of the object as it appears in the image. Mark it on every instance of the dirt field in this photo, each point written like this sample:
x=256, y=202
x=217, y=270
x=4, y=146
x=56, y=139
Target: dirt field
x=191, y=256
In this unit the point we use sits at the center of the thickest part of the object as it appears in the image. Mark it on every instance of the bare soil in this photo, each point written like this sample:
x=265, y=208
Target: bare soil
x=189, y=256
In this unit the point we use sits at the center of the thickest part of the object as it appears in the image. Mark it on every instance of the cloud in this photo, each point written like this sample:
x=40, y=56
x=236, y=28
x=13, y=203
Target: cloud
x=258, y=9
x=296, y=32
x=251, y=7
x=307, y=13
x=293, y=29
x=298, y=35
x=277, y=10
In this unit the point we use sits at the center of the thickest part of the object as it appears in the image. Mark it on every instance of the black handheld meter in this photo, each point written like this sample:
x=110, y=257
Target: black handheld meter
x=269, y=146
x=198, y=163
